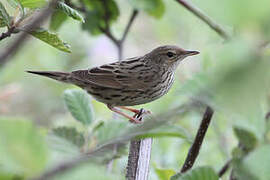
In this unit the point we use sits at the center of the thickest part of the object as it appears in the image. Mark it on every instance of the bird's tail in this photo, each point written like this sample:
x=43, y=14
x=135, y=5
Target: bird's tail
x=59, y=76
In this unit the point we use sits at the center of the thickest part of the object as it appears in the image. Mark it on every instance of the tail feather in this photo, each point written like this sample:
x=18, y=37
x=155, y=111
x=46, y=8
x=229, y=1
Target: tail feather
x=60, y=76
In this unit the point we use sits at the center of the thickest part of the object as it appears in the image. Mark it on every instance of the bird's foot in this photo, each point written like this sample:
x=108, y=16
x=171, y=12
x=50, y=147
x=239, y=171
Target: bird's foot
x=139, y=115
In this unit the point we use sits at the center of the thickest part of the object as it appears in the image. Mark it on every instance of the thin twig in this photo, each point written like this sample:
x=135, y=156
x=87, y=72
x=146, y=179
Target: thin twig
x=195, y=148
x=131, y=20
x=225, y=168
x=122, y=40
x=10, y=31
x=40, y=18
x=196, y=11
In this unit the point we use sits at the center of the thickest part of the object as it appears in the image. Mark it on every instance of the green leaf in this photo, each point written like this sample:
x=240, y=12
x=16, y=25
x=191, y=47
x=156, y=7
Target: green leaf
x=17, y=4
x=78, y=103
x=199, y=173
x=164, y=174
x=245, y=138
x=111, y=129
x=100, y=13
x=70, y=134
x=93, y=22
x=2, y=23
x=22, y=148
x=51, y=39
x=168, y=130
x=257, y=162
x=57, y=19
x=88, y=171
x=33, y=3
x=69, y=11
x=155, y=8
x=4, y=15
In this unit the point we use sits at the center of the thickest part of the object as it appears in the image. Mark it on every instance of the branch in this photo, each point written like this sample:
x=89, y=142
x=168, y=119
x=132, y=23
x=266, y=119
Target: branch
x=197, y=12
x=131, y=20
x=195, y=148
x=224, y=169
x=139, y=158
x=122, y=40
x=10, y=31
x=41, y=17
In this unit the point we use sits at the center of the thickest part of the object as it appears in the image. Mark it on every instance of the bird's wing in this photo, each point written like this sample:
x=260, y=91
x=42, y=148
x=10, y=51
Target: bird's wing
x=115, y=75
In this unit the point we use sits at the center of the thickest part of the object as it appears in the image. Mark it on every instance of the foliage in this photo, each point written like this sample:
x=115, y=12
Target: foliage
x=199, y=173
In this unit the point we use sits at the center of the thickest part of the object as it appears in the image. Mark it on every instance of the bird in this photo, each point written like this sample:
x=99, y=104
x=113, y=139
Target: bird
x=129, y=82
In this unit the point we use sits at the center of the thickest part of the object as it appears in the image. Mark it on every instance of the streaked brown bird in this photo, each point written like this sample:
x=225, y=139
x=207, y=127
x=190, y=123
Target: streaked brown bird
x=129, y=82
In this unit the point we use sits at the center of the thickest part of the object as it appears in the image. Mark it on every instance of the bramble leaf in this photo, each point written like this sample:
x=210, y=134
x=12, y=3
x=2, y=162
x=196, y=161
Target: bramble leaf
x=70, y=11
x=51, y=39
x=78, y=103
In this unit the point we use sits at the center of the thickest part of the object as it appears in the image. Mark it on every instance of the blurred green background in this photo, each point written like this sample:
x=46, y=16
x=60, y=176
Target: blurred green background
x=230, y=75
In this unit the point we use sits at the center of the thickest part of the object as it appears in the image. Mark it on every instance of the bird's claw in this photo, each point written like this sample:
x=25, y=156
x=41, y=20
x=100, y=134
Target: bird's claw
x=138, y=116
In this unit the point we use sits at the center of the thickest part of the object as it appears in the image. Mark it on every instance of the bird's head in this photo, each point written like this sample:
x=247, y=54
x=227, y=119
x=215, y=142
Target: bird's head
x=169, y=55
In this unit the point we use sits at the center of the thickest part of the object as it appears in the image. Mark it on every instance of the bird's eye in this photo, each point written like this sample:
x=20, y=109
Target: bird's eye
x=170, y=54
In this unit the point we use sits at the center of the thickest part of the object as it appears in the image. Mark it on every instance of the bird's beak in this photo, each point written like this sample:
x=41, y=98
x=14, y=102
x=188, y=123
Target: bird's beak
x=191, y=53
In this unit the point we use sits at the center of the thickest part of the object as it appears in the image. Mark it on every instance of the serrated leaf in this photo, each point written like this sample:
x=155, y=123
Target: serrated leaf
x=154, y=8
x=70, y=11
x=164, y=174
x=168, y=130
x=199, y=173
x=70, y=134
x=51, y=39
x=246, y=138
x=4, y=15
x=33, y=3
x=22, y=148
x=78, y=103
x=57, y=19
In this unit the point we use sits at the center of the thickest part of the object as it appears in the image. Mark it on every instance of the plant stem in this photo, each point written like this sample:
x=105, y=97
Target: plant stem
x=197, y=12
x=195, y=148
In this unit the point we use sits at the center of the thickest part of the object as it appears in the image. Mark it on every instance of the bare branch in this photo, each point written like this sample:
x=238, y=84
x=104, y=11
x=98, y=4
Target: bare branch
x=122, y=40
x=197, y=12
x=195, y=148
x=224, y=169
x=41, y=17
x=10, y=31
x=131, y=20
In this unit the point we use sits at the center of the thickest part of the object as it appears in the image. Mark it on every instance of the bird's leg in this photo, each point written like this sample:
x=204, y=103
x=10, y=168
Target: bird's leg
x=136, y=111
x=131, y=119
